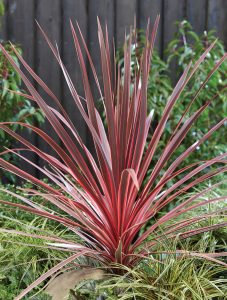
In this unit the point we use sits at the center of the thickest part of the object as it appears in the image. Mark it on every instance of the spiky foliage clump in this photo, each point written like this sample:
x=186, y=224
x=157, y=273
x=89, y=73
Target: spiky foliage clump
x=169, y=276
x=103, y=194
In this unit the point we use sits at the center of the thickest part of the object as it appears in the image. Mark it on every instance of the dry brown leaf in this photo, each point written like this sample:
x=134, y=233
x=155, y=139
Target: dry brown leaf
x=60, y=286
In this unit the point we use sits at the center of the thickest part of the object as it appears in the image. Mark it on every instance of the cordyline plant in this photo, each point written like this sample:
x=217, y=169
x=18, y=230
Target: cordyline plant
x=104, y=195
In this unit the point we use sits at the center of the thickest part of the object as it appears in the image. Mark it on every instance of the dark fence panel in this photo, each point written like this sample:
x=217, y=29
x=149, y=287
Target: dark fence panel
x=74, y=10
x=20, y=28
x=50, y=18
x=150, y=9
x=18, y=25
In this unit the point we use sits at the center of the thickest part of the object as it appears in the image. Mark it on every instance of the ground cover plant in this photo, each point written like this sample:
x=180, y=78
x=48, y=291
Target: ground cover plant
x=23, y=258
x=101, y=197
x=169, y=278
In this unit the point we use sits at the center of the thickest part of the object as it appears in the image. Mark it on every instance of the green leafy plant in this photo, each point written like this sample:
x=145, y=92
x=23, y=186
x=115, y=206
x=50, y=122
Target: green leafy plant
x=13, y=106
x=2, y=8
x=169, y=276
x=165, y=274
x=187, y=46
x=217, y=238
x=102, y=198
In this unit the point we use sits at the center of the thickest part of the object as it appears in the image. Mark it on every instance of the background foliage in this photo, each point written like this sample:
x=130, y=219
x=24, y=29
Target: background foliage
x=187, y=46
x=13, y=107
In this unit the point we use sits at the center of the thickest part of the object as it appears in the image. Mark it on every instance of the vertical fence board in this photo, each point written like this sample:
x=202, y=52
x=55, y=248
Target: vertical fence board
x=104, y=9
x=174, y=10
x=21, y=26
x=4, y=23
x=196, y=14
x=126, y=11
x=21, y=31
x=217, y=15
x=49, y=17
x=76, y=11
x=150, y=9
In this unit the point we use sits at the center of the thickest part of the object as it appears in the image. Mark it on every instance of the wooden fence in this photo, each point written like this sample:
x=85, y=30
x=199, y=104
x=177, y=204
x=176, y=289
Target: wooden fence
x=18, y=25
